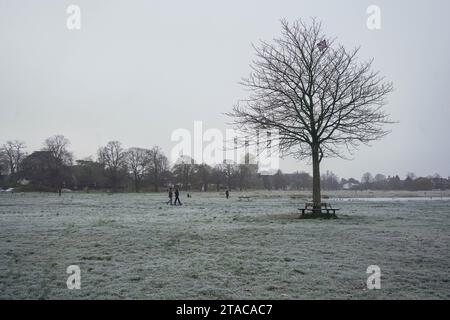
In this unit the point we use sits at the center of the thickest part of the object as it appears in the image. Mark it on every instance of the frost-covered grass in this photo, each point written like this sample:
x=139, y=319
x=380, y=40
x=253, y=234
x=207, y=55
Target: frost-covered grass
x=135, y=246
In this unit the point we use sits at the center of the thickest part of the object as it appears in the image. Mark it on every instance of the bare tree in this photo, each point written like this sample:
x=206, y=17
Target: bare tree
x=279, y=180
x=113, y=157
x=329, y=181
x=243, y=172
x=412, y=175
x=60, y=158
x=379, y=178
x=203, y=174
x=4, y=164
x=58, y=147
x=137, y=162
x=316, y=94
x=158, y=165
x=366, y=179
x=229, y=169
x=14, y=152
x=217, y=176
x=184, y=170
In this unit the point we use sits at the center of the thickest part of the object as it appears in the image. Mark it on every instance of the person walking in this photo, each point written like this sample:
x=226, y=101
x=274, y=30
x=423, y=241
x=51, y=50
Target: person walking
x=227, y=193
x=177, y=195
x=170, y=197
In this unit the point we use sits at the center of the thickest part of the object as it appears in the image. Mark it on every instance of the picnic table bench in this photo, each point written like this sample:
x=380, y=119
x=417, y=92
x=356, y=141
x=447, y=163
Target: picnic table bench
x=309, y=207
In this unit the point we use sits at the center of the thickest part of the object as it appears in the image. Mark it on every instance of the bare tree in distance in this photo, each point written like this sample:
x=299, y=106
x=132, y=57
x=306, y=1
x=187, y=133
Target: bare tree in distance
x=229, y=169
x=217, y=176
x=321, y=99
x=113, y=157
x=367, y=178
x=379, y=178
x=137, y=162
x=157, y=165
x=60, y=156
x=183, y=170
x=203, y=173
x=58, y=146
x=14, y=152
x=4, y=164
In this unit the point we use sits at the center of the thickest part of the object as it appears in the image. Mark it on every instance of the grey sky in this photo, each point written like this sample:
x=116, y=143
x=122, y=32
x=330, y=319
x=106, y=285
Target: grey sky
x=137, y=70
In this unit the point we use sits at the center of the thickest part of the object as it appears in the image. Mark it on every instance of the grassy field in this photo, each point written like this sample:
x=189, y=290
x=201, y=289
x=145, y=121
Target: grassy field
x=134, y=246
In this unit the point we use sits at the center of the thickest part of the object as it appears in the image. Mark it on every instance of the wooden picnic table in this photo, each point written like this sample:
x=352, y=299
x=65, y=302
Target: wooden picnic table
x=309, y=207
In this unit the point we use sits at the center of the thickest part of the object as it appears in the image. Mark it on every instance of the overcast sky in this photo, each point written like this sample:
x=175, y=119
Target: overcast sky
x=138, y=70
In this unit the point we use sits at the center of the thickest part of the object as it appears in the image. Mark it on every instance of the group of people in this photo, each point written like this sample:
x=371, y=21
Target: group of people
x=177, y=196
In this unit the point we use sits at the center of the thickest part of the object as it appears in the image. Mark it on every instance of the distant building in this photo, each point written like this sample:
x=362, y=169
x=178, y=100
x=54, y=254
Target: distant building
x=350, y=186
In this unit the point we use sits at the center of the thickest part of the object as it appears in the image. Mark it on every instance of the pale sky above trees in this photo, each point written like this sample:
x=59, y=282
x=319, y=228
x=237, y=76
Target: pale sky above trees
x=137, y=70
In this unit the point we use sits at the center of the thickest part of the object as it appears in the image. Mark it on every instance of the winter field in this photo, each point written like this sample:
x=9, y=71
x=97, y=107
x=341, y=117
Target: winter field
x=134, y=246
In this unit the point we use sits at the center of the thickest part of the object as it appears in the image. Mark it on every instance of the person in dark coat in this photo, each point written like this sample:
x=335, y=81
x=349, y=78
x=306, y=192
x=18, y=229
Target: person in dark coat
x=227, y=194
x=177, y=194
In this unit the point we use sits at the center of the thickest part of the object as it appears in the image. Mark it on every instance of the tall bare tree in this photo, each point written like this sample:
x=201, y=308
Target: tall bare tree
x=60, y=158
x=184, y=170
x=317, y=94
x=203, y=174
x=113, y=158
x=243, y=172
x=14, y=153
x=138, y=161
x=229, y=169
x=4, y=164
x=366, y=179
x=158, y=164
x=217, y=176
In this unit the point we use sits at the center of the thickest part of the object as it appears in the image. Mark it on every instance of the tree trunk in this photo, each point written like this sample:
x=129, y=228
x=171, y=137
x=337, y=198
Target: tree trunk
x=316, y=181
x=114, y=183
x=156, y=182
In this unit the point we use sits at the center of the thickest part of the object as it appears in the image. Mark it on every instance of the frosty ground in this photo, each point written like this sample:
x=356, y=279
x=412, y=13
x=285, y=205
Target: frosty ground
x=134, y=246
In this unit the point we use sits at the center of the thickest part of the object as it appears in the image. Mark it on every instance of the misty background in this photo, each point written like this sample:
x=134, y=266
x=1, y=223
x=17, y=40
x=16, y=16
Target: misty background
x=138, y=70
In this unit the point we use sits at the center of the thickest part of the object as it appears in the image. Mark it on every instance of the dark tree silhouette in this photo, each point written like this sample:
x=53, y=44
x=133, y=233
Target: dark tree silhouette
x=229, y=169
x=137, y=160
x=184, y=170
x=60, y=158
x=37, y=167
x=316, y=94
x=158, y=164
x=203, y=174
x=113, y=158
x=14, y=153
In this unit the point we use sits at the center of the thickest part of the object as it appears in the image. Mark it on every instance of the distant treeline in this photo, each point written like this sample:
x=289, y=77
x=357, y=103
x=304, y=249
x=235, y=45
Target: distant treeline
x=137, y=169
